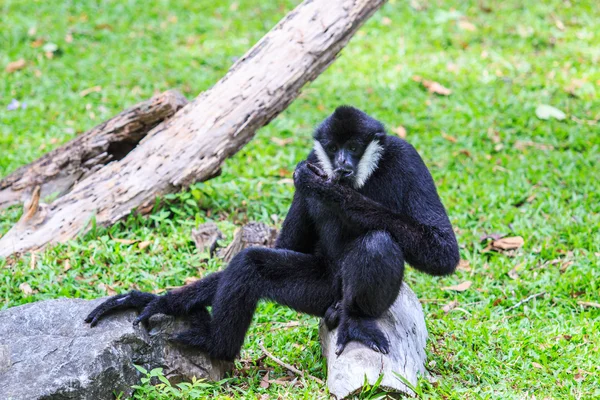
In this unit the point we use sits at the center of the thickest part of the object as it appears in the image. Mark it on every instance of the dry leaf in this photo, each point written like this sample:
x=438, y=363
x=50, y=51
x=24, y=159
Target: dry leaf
x=69, y=38
x=449, y=138
x=37, y=43
x=435, y=87
x=264, y=382
x=282, y=142
x=144, y=244
x=539, y=366
x=461, y=287
x=450, y=306
x=418, y=5
x=466, y=25
x=15, y=65
x=32, y=263
x=110, y=290
x=125, y=241
x=285, y=181
x=513, y=273
x=190, y=279
x=26, y=289
x=588, y=304
x=508, y=243
x=463, y=265
x=67, y=265
x=400, y=131
x=386, y=21
x=93, y=89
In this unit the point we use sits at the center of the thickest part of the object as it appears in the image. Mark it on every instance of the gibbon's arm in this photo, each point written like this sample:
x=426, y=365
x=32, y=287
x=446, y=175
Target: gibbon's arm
x=297, y=232
x=423, y=230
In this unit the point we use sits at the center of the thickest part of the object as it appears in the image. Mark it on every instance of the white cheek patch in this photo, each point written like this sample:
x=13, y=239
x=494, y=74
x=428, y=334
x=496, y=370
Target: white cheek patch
x=323, y=159
x=367, y=164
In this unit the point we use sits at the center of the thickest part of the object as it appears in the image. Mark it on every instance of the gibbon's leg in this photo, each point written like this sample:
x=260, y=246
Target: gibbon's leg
x=182, y=301
x=372, y=271
x=300, y=281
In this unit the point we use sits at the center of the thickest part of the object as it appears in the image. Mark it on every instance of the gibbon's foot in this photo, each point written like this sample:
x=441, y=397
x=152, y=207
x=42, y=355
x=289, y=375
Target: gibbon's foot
x=133, y=299
x=332, y=316
x=365, y=331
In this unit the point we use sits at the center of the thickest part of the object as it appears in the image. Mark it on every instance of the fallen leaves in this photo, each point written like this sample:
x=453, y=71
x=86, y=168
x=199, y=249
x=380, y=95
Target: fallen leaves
x=504, y=244
x=282, y=142
x=400, y=131
x=466, y=25
x=461, y=287
x=522, y=145
x=537, y=365
x=125, y=241
x=450, y=306
x=26, y=289
x=449, y=138
x=264, y=382
x=546, y=112
x=588, y=304
x=463, y=265
x=16, y=65
x=93, y=89
x=432, y=86
x=508, y=243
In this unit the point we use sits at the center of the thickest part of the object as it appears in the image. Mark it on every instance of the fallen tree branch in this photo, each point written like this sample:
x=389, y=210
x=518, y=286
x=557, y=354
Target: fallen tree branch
x=288, y=366
x=57, y=171
x=192, y=145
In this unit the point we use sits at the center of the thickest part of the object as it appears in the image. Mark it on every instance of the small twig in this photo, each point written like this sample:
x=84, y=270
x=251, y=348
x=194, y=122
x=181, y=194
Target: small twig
x=288, y=366
x=533, y=296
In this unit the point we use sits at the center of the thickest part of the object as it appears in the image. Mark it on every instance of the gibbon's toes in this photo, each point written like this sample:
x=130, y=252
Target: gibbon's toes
x=133, y=299
x=363, y=331
x=378, y=343
x=97, y=313
x=154, y=307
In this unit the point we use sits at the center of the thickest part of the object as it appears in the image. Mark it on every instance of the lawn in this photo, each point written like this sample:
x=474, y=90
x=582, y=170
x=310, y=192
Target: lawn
x=499, y=170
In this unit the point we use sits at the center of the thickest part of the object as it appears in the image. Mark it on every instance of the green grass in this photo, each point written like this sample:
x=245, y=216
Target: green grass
x=518, y=56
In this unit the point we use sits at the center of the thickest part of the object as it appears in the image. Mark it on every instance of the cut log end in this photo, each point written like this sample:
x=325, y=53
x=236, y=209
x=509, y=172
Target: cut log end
x=404, y=326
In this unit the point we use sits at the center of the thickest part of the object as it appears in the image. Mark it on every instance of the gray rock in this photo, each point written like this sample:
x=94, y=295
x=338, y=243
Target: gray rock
x=404, y=326
x=48, y=352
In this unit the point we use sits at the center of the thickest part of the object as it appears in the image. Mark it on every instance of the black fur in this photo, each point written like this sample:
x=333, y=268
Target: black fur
x=340, y=254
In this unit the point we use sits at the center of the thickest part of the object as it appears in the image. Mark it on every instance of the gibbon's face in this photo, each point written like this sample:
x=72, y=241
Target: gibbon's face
x=348, y=146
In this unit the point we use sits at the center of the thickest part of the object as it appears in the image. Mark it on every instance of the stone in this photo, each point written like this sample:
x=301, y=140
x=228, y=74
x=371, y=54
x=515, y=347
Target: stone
x=48, y=352
x=404, y=326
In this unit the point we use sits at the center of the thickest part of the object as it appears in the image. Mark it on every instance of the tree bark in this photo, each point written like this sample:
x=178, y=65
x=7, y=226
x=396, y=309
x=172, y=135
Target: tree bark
x=404, y=326
x=192, y=145
x=57, y=171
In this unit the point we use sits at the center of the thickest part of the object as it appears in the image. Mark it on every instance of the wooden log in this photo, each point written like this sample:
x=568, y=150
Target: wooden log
x=404, y=326
x=56, y=172
x=252, y=234
x=192, y=145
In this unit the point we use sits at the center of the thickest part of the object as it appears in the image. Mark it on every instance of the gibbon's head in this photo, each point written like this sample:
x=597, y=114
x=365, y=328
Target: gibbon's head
x=348, y=145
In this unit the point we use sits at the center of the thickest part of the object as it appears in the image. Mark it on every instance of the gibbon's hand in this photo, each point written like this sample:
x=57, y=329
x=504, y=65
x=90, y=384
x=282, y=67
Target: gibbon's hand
x=312, y=181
